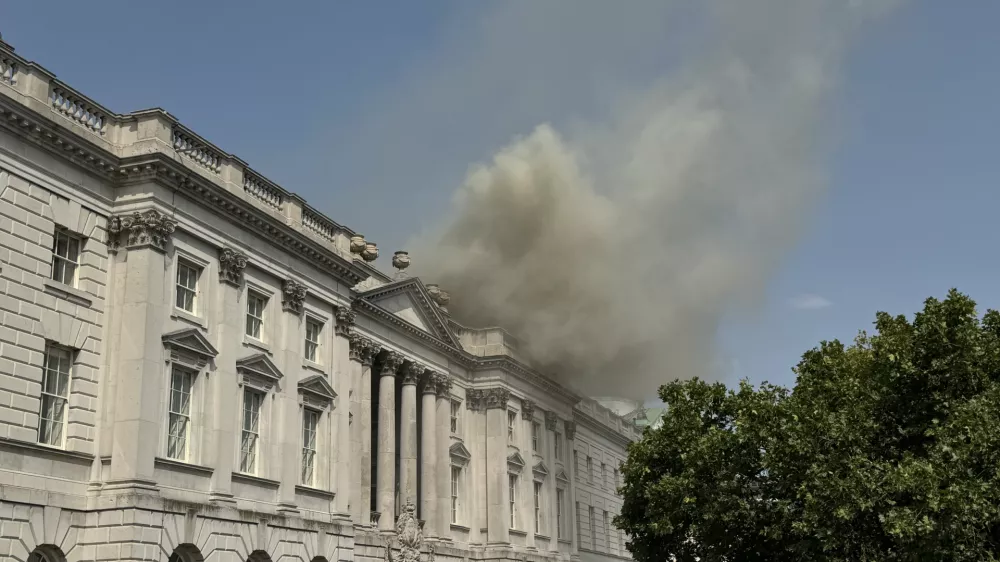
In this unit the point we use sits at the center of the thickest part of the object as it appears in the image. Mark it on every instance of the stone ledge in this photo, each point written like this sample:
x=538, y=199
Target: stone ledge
x=23, y=446
x=72, y=294
x=183, y=465
x=309, y=491
x=267, y=482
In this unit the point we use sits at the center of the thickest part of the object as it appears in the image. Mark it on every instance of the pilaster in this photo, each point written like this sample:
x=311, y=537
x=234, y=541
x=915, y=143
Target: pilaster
x=428, y=456
x=443, y=444
x=366, y=350
x=411, y=373
x=387, y=440
x=341, y=412
x=570, y=434
x=140, y=372
x=497, y=492
x=286, y=405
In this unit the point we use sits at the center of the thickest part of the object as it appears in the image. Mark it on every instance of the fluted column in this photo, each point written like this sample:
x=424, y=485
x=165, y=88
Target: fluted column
x=443, y=444
x=367, y=350
x=385, y=491
x=428, y=461
x=408, y=434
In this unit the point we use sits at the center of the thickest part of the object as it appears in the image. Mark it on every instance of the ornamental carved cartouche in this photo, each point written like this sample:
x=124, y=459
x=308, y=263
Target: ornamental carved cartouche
x=496, y=398
x=345, y=321
x=141, y=229
x=527, y=410
x=231, y=265
x=293, y=296
x=551, y=420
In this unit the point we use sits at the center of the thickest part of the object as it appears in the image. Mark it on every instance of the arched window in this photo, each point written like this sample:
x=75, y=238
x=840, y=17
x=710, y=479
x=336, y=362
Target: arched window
x=186, y=553
x=258, y=556
x=47, y=553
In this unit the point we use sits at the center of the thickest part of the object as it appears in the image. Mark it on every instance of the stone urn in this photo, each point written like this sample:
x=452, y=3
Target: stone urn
x=371, y=252
x=401, y=260
x=358, y=244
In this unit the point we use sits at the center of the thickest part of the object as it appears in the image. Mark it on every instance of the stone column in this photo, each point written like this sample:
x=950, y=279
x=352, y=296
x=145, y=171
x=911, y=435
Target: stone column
x=527, y=480
x=139, y=366
x=570, y=434
x=497, y=493
x=550, y=459
x=385, y=492
x=356, y=366
x=367, y=350
x=408, y=434
x=285, y=404
x=341, y=413
x=428, y=452
x=223, y=420
x=443, y=444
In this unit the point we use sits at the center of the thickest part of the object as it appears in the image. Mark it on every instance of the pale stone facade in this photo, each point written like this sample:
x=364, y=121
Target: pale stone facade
x=197, y=365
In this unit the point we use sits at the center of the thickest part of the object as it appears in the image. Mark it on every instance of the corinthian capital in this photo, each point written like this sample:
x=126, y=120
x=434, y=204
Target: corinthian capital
x=140, y=229
x=570, y=430
x=345, y=321
x=527, y=410
x=443, y=385
x=391, y=363
x=231, y=265
x=496, y=398
x=363, y=349
x=412, y=372
x=293, y=296
x=551, y=419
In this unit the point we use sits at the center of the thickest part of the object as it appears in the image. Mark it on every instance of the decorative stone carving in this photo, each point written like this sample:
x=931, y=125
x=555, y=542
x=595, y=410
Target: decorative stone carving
x=357, y=244
x=527, y=410
x=443, y=385
x=345, y=321
x=293, y=295
x=409, y=535
x=354, y=347
x=231, y=265
x=148, y=228
x=370, y=253
x=368, y=352
x=475, y=399
x=496, y=398
x=401, y=260
x=430, y=380
x=391, y=363
x=412, y=372
x=551, y=419
x=440, y=297
x=570, y=430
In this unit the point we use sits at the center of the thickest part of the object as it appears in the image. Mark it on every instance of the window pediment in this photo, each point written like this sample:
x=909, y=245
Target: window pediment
x=459, y=453
x=540, y=470
x=516, y=462
x=258, y=370
x=189, y=346
x=561, y=475
x=316, y=390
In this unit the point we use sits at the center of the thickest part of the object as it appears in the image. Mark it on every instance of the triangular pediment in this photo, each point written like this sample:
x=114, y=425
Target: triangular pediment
x=561, y=475
x=191, y=340
x=318, y=387
x=516, y=460
x=459, y=452
x=409, y=301
x=540, y=469
x=259, y=365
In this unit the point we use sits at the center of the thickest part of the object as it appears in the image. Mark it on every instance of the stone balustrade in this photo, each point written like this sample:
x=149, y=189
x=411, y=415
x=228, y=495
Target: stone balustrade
x=262, y=190
x=70, y=105
x=33, y=87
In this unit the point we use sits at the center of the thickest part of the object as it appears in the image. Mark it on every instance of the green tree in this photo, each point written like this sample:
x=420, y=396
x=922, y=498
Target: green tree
x=888, y=449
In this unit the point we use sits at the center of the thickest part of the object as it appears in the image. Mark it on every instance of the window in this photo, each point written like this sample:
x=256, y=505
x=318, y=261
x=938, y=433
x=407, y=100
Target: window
x=250, y=435
x=604, y=474
x=65, y=257
x=535, y=430
x=511, y=420
x=313, y=329
x=538, y=507
x=590, y=469
x=456, y=474
x=512, y=482
x=607, y=533
x=55, y=393
x=617, y=484
x=456, y=409
x=187, y=286
x=593, y=529
x=179, y=417
x=255, y=314
x=558, y=445
x=576, y=465
x=579, y=525
x=559, y=512
x=310, y=421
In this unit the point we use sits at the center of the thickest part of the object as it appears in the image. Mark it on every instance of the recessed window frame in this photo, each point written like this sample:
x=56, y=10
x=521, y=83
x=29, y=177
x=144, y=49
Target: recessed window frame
x=250, y=430
x=456, y=493
x=512, y=481
x=557, y=444
x=55, y=392
x=182, y=381
x=511, y=425
x=560, y=506
x=256, y=314
x=536, y=437
x=537, y=490
x=66, y=262
x=311, y=420
x=455, y=416
x=183, y=291
x=312, y=341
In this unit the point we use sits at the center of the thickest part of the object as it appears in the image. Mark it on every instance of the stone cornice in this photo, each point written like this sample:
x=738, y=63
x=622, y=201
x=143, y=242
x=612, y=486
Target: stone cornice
x=593, y=424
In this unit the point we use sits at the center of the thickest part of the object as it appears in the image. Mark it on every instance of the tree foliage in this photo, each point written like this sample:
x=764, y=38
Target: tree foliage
x=888, y=449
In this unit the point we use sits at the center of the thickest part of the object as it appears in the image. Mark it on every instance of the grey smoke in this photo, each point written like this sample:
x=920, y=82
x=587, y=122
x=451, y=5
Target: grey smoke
x=612, y=250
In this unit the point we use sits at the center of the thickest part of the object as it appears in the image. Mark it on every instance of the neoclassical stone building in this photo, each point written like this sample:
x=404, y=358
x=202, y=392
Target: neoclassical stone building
x=197, y=365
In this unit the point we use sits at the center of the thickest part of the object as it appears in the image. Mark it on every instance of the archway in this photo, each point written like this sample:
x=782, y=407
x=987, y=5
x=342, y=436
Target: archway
x=187, y=552
x=47, y=553
x=258, y=556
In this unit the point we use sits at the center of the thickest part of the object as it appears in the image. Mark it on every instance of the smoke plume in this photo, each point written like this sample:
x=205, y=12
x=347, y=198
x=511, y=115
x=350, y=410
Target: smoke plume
x=612, y=251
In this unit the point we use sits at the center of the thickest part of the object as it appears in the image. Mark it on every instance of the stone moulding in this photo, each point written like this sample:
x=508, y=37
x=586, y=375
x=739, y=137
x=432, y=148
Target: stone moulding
x=231, y=265
x=141, y=229
x=345, y=321
x=551, y=420
x=496, y=398
x=527, y=410
x=293, y=296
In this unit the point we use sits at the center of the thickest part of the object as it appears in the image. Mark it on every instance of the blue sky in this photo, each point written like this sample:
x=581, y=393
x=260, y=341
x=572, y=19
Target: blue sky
x=320, y=98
